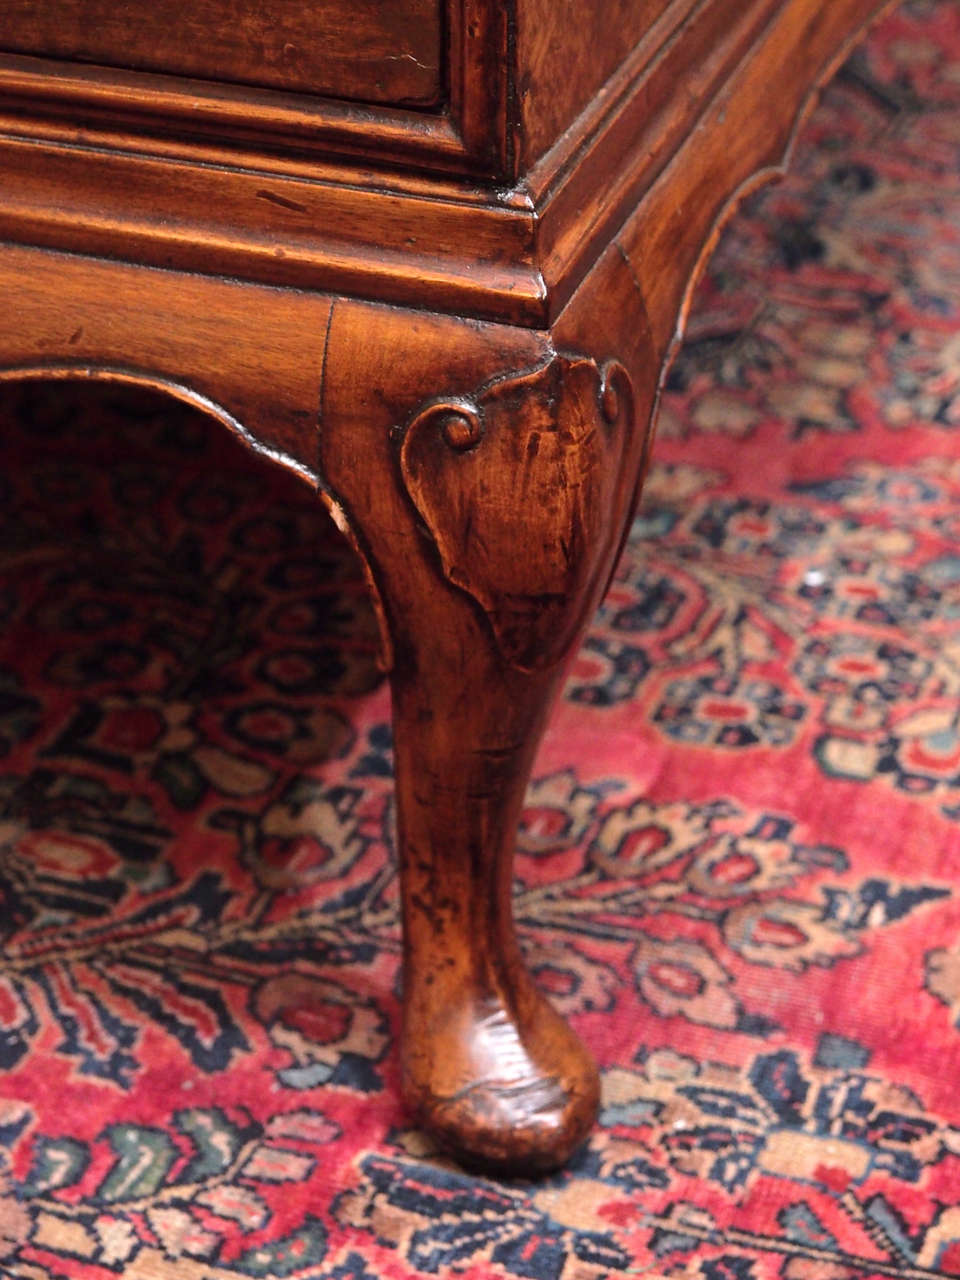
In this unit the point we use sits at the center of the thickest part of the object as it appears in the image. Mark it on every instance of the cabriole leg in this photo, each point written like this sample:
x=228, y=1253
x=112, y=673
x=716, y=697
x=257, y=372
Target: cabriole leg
x=489, y=519
x=488, y=1066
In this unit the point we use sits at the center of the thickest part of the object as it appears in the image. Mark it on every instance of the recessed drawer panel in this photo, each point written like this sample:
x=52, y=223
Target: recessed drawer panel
x=385, y=51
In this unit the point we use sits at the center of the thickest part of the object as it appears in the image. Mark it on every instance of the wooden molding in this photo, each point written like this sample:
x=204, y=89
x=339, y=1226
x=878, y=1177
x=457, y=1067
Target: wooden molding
x=467, y=132
x=217, y=193
x=544, y=311
x=398, y=243
x=142, y=108
x=377, y=51
x=586, y=186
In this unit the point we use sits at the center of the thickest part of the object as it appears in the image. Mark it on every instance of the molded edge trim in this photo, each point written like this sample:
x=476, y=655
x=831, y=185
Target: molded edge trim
x=515, y=256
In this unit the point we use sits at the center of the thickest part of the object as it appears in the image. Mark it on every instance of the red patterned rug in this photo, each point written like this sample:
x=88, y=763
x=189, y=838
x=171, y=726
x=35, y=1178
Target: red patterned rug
x=739, y=872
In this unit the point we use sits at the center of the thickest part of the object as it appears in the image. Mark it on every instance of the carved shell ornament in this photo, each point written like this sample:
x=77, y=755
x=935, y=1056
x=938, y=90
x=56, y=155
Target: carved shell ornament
x=521, y=487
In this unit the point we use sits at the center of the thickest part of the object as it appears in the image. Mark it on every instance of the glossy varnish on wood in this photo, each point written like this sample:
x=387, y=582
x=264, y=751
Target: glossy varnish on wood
x=375, y=50
x=462, y=349
x=589, y=41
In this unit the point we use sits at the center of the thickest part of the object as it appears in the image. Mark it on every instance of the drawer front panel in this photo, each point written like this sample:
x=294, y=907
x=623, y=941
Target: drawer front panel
x=382, y=51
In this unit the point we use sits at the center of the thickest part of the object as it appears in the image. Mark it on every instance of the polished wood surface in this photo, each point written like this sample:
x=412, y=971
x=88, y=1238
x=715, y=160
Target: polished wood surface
x=375, y=50
x=589, y=41
x=463, y=352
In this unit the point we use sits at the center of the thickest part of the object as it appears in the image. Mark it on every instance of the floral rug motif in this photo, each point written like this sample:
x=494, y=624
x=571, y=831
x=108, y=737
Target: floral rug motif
x=739, y=868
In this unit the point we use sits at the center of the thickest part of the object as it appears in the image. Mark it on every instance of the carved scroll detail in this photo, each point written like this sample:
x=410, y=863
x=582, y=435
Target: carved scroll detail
x=522, y=490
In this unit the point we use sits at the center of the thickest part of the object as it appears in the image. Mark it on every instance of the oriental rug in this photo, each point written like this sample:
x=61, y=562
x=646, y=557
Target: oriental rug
x=739, y=868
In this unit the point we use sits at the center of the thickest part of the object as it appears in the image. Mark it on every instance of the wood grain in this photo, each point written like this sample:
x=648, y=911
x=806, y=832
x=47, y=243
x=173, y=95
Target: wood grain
x=488, y=1067
x=407, y=235
x=588, y=39
x=743, y=139
x=251, y=356
x=461, y=353
x=546, y=442
x=404, y=246
x=375, y=50
x=581, y=200
x=176, y=115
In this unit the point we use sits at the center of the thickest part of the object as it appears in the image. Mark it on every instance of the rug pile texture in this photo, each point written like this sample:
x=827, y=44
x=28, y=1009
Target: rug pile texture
x=738, y=872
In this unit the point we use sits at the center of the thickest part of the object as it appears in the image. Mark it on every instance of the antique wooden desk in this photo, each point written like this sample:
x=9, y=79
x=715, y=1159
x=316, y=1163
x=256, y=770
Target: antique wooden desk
x=433, y=255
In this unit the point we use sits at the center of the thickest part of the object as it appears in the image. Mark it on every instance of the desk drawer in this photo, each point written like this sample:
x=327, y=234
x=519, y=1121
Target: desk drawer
x=383, y=51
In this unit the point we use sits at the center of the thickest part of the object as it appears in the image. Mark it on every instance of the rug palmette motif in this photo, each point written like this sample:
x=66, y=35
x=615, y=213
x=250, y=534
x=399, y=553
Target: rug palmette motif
x=739, y=867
